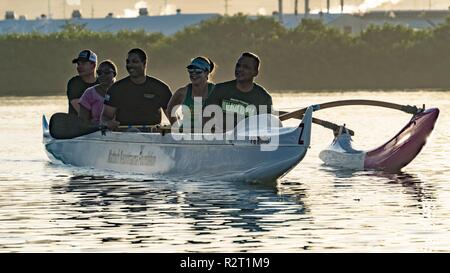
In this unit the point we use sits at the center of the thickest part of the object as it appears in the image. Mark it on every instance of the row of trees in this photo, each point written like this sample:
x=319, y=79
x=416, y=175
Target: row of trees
x=310, y=56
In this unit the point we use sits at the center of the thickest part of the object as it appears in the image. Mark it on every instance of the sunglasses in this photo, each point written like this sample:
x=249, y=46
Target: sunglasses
x=195, y=71
x=100, y=72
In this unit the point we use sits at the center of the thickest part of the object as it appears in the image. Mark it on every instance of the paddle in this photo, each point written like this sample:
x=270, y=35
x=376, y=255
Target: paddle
x=65, y=126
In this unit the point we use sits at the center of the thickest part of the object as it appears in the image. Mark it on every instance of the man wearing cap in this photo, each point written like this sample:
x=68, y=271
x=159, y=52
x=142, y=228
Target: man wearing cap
x=241, y=97
x=86, y=64
x=137, y=99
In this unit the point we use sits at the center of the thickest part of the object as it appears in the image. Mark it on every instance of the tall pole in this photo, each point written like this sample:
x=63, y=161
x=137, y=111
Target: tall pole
x=342, y=6
x=226, y=7
x=64, y=9
x=296, y=7
x=306, y=7
x=49, y=11
x=280, y=10
x=328, y=6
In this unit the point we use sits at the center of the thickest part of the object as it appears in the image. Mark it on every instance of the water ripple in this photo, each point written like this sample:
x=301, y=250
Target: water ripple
x=57, y=208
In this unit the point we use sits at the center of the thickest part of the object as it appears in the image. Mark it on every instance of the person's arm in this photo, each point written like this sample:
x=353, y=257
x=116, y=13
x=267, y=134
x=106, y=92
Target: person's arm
x=176, y=100
x=214, y=99
x=84, y=114
x=72, y=95
x=164, y=100
x=269, y=105
x=109, y=117
x=76, y=104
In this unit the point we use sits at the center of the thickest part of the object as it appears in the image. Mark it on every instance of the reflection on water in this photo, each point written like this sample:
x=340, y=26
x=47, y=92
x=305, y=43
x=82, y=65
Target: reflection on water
x=206, y=206
x=414, y=187
x=314, y=208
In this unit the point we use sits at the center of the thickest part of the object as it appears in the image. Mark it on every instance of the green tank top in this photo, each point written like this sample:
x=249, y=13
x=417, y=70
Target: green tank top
x=189, y=101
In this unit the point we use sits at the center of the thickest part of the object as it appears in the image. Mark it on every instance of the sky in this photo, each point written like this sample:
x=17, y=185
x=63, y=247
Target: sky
x=129, y=8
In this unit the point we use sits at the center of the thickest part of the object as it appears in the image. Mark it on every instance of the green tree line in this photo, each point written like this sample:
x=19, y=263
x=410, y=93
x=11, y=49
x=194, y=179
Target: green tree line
x=310, y=56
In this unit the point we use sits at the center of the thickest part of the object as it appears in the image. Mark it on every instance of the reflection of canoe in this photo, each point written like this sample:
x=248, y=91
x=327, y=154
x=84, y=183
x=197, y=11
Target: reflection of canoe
x=256, y=155
x=391, y=156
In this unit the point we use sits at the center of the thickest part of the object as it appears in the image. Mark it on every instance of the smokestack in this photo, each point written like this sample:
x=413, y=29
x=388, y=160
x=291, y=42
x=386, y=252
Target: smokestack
x=342, y=6
x=328, y=6
x=296, y=8
x=306, y=7
x=280, y=10
x=226, y=7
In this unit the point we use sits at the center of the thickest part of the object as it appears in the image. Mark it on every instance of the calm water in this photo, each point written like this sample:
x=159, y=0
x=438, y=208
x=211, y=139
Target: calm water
x=46, y=207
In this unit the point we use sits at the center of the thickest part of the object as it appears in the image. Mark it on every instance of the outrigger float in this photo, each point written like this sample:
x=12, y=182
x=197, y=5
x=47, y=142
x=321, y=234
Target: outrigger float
x=393, y=155
x=243, y=154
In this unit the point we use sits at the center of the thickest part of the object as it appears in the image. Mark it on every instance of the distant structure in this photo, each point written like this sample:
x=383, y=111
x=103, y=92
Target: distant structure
x=415, y=19
x=280, y=11
x=10, y=15
x=143, y=12
x=307, y=9
x=170, y=24
x=296, y=7
x=167, y=24
x=76, y=14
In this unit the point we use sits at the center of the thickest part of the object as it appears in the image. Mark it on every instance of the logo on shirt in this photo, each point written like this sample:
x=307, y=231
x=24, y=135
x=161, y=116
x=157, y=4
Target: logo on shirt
x=149, y=96
x=107, y=97
x=239, y=107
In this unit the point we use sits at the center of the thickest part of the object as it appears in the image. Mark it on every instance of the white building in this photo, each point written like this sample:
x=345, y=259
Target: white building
x=170, y=24
x=356, y=23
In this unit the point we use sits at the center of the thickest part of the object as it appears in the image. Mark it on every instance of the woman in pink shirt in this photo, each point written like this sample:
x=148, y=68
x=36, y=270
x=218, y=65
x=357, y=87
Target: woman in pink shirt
x=91, y=102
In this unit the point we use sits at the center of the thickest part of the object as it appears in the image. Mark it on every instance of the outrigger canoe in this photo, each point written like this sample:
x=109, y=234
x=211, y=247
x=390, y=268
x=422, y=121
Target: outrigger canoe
x=242, y=154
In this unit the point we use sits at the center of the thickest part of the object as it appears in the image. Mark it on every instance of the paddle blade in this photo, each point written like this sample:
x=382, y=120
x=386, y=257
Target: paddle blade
x=65, y=126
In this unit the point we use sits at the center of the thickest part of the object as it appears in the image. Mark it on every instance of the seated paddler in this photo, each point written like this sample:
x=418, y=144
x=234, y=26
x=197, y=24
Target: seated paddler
x=137, y=100
x=191, y=98
x=91, y=102
x=239, y=98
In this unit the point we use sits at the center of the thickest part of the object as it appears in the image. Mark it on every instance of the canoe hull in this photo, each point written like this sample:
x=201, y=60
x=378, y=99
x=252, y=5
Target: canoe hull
x=205, y=161
x=176, y=155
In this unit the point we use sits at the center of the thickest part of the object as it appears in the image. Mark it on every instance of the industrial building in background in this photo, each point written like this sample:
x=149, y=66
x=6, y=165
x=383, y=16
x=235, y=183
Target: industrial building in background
x=352, y=22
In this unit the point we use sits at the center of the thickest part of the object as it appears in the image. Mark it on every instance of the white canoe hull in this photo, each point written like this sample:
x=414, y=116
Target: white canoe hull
x=166, y=155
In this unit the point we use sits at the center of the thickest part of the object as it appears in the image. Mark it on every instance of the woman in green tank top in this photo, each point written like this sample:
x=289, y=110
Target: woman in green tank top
x=198, y=91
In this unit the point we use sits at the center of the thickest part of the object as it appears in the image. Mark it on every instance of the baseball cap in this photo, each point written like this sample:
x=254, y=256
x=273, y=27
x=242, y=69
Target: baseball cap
x=87, y=55
x=199, y=63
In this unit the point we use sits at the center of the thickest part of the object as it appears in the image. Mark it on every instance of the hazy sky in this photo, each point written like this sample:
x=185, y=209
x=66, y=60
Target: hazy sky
x=128, y=8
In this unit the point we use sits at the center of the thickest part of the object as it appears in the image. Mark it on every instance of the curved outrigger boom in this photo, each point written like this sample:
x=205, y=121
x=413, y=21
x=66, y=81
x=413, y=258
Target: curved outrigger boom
x=391, y=156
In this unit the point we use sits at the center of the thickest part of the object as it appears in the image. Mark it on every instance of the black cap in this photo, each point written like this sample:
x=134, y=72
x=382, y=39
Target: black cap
x=87, y=55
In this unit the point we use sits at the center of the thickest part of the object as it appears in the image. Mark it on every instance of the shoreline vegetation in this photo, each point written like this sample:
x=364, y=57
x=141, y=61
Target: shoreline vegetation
x=310, y=57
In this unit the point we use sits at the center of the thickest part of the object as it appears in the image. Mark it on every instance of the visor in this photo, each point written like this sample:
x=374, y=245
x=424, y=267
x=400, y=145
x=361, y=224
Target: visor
x=200, y=64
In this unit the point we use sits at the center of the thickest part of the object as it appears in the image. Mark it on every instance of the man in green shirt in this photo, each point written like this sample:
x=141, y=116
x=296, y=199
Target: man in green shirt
x=241, y=97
